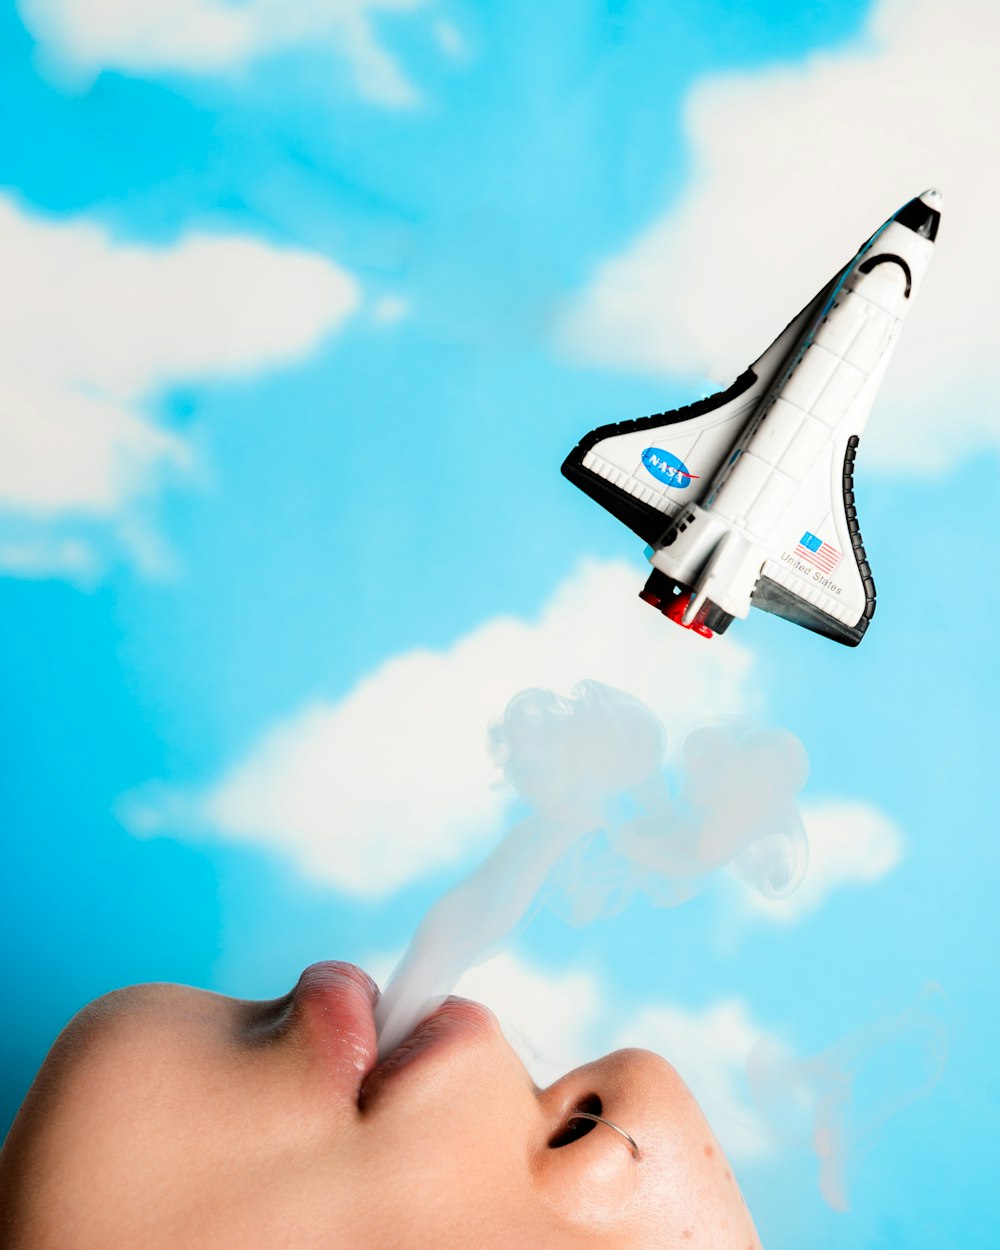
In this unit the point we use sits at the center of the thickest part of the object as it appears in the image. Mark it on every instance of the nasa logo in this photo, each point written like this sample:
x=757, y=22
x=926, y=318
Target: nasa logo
x=667, y=468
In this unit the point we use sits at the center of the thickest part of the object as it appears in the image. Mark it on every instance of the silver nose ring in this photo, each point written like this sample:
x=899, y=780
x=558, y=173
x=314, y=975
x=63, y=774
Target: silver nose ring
x=599, y=1119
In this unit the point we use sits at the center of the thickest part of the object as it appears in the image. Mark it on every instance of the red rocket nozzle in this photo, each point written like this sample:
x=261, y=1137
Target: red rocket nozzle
x=673, y=598
x=674, y=611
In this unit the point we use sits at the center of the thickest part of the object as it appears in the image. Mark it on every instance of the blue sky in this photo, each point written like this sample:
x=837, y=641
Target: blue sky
x=469, y=235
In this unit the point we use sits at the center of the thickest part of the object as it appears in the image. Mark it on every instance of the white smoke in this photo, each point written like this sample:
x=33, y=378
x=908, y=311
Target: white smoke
x=606, y=820
x=834, y=1104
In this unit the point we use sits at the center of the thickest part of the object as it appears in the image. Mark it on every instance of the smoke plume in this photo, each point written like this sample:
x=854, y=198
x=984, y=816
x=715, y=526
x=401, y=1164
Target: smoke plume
x=605, y=818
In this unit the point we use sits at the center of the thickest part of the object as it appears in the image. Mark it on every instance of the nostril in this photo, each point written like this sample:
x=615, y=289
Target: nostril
x=575, y=1126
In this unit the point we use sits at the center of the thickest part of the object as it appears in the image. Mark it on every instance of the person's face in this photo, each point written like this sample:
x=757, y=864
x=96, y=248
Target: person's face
x=170, y=1117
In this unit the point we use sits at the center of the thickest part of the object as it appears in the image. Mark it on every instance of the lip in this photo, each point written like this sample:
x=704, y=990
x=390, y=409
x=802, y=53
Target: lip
x=332, y=1009
x=453, y=1024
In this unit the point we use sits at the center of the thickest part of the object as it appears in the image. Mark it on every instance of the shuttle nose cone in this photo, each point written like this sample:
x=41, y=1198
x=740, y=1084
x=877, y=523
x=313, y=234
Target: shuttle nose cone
x=923, y=214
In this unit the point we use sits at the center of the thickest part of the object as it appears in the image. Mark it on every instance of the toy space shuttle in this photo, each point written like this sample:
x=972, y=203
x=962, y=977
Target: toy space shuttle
x=746, y=499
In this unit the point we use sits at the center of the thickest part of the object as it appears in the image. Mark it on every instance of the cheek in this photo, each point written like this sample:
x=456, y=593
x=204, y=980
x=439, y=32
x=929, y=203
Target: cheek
x=589, y=1185
x=680, y=1193
x=135, y=1126
x=693, y=1198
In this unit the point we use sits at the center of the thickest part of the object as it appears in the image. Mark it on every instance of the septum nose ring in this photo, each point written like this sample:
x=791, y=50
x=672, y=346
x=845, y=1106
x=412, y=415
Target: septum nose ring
x=599, y=1119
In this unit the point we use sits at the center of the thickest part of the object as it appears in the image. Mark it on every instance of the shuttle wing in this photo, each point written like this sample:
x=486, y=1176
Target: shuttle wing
x=817, y=574
x=644, y=471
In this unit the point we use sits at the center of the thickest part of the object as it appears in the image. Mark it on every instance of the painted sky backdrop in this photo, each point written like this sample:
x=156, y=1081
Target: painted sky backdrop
x=302, y=305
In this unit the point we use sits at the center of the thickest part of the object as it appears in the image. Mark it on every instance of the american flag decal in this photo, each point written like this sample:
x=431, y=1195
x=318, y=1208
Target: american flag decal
x=817, y=552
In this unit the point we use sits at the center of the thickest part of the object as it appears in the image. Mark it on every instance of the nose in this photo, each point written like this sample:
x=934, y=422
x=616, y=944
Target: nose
x=922, y=214
x=637, y=1091
x=679, y=1189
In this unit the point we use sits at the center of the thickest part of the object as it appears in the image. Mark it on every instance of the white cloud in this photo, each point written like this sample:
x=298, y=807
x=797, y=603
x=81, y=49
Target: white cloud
x=850, y=843
x=393, y=781
x=92, y=329
x=792, y=169
x=209, y=36
x=709, y=1047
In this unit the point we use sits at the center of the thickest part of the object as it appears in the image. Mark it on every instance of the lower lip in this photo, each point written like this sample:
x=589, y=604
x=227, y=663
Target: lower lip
x=456, y=1023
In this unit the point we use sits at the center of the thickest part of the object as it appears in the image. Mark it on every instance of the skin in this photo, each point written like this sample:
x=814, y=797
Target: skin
x=167, y=1117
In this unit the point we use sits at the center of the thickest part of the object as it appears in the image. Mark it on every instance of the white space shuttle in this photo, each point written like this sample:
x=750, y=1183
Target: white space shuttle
x=746, y=498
